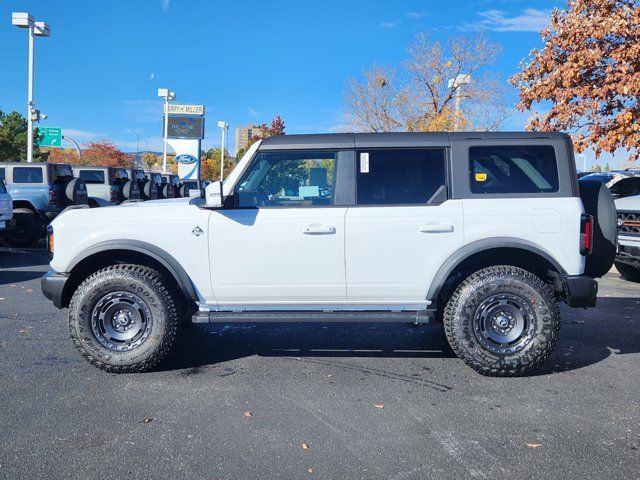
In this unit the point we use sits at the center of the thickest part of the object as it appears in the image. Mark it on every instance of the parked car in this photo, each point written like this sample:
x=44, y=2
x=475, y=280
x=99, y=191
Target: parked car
x=39, y=191
x=194, y=188
x=485, y=232
x=170, y=185
x=156, y=178
x=148, y=189
x=6, y=208
x=628, y=257
x=108, y=185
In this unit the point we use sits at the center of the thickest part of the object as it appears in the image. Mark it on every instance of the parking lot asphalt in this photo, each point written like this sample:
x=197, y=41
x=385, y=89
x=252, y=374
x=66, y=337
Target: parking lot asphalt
x=287, y=401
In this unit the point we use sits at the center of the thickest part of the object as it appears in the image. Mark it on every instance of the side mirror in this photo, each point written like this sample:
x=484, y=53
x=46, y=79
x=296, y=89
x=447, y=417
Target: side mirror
x=213, y=195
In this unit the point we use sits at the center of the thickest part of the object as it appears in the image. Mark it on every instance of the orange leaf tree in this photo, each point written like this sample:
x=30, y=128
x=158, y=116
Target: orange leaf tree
x=104, y=153
x=589, y=71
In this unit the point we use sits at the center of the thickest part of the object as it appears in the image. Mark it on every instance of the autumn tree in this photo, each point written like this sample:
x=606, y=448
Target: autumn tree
x=419, y=96
x=589, y=71
x=277, y=127
x=210, y=164
x=63, y=155
x=104, y=153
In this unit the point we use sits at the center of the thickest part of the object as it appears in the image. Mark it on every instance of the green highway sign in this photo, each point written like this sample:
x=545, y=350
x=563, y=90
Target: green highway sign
x=49, y=137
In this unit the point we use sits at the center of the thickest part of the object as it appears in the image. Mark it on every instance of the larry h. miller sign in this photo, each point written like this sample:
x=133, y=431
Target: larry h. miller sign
x=185, y=130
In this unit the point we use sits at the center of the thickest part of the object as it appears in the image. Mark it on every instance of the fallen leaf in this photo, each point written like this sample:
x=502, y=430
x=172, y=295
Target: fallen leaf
x=23, y=330
x=13, y=285
x=148, y=420
x=534, y=445
x=248, y=414
x=309, y=470
x=328, y=376
x=305, y=446
x=1, y=298
x=29, y=290
x=379, y=405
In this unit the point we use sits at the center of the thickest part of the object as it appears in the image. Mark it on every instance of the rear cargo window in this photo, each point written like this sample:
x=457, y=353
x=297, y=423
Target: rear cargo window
x=513, y=169
x=27, y=175
x=92, y=176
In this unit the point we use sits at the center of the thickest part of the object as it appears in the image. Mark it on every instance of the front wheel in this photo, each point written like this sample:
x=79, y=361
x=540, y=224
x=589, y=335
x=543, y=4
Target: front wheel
x=502, y=321
x=123, y=318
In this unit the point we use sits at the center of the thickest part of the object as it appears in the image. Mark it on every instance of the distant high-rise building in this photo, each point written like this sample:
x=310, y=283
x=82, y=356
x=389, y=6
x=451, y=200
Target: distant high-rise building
x=244, y=134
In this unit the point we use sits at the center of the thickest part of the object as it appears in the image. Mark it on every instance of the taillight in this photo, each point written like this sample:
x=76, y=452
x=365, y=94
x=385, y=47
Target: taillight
x=586, y=234
x=53, y=196
x=114, y=194
x=50, y=241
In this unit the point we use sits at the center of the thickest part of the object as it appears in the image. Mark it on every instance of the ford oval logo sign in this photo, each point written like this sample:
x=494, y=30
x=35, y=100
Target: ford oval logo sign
x=186, y=158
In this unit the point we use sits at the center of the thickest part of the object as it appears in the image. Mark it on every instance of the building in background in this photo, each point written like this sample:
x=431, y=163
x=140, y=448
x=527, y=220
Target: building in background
x=244, y=134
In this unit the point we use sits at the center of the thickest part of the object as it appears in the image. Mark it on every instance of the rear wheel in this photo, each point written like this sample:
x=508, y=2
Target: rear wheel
x=27, y=229
x=628, y=272
x=502, y=321
x=123, y=318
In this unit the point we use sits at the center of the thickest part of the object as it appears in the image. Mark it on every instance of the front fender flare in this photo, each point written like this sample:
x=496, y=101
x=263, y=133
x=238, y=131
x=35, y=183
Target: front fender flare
x=161, y=256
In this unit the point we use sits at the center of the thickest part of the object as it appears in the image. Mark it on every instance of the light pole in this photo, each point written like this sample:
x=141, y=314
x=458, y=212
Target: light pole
x=36, y=29
x=167, y=95
x=455, y=84
x=224, y=126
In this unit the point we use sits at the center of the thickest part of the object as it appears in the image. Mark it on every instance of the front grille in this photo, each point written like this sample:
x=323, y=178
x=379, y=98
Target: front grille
x=628, y=223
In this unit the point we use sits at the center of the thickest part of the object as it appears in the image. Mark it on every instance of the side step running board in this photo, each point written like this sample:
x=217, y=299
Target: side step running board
x=424, y=316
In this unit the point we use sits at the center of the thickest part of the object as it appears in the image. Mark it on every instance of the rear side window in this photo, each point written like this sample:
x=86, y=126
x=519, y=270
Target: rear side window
x=92, y=176
x=396, y=177
x=513, y=169
x=2, y=174
x=27, y=175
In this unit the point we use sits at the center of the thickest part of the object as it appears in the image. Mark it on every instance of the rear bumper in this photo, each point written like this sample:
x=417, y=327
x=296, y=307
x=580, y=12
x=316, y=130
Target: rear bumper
x=52, y=284
x=580, y=290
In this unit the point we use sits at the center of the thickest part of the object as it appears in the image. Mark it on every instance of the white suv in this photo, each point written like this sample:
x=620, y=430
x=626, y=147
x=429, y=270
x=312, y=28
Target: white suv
x=483, y=232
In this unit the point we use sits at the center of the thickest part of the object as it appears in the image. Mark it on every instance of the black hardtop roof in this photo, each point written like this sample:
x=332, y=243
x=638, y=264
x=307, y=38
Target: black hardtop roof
x=33, y=164
x=393, y=139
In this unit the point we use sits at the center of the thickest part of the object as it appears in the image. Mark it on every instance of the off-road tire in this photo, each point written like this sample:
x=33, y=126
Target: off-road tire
x=628, y=272
x=27, y=230
x=463, y=310
x=149, y=286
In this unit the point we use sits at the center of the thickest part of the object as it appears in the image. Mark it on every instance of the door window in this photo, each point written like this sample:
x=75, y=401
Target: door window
x=402, y=176
x=289, y=179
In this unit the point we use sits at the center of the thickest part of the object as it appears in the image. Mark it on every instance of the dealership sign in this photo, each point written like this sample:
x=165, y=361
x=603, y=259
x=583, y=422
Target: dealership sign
x=186, y=159
x=182, y=109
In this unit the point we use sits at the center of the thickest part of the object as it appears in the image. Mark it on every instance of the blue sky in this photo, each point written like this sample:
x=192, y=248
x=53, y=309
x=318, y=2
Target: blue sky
x=97, y=75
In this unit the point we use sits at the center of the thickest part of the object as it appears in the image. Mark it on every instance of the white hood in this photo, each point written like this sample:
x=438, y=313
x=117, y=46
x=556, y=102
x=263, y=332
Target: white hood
x=628, y=203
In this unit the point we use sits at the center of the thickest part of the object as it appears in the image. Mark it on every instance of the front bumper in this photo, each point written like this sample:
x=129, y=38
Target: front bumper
x=629, y=254
x=580, y=290
x=52, y=284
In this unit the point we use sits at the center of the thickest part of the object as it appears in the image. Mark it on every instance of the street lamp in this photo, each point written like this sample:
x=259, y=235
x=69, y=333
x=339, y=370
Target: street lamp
x=455, y=84
x=167, y=95
x=224, y=126
x=36, y=29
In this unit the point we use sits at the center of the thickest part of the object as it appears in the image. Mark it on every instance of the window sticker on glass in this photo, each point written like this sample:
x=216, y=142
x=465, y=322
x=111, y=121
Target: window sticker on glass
x=309, y=191
x=364, y=162
x=481, y=177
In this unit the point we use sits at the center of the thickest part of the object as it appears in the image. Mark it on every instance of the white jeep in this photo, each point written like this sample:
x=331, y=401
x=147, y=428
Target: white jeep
x=484, y=232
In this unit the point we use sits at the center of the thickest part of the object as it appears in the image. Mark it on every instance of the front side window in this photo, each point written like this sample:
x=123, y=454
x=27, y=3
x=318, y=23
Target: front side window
x=402, y=176
x=2, y=174
x=27, y=175
x=289, y=179
x=92, y=176
x=513, y=169
x=3, y=189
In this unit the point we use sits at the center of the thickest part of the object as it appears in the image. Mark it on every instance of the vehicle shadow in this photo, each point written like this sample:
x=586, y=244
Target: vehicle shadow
x=588, y=337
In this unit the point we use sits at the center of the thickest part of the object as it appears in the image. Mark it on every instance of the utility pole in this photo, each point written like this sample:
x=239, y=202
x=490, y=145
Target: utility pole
x=224, y=126
x=456, y=84
x=36, y=29
x=167, y=95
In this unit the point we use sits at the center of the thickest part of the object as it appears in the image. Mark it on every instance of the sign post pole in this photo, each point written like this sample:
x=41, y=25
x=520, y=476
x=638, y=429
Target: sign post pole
x=224, y=126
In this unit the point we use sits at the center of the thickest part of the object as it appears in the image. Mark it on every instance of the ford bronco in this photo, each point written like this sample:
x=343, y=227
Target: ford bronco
x=484, y=232
x=108, y=185
x=39, y=191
